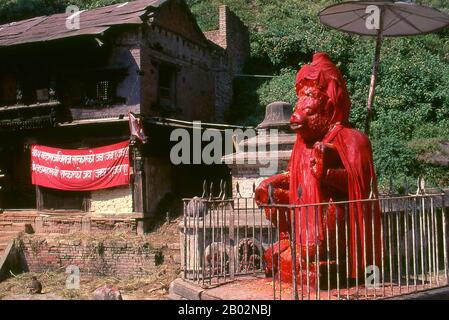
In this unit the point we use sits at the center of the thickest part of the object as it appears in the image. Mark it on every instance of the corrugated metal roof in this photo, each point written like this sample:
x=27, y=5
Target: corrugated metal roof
x=92, y=22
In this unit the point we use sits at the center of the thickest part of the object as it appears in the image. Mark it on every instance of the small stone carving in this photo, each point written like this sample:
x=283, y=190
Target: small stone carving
x=107, y=292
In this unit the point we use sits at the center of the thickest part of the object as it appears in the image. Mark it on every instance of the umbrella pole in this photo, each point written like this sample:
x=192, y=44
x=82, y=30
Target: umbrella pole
x=372, y=87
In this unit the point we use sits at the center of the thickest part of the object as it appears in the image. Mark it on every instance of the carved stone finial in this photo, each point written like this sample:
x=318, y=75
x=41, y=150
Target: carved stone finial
x=277, y=116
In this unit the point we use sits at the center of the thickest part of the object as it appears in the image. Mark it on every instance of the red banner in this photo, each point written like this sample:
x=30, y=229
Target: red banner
x=80, y=170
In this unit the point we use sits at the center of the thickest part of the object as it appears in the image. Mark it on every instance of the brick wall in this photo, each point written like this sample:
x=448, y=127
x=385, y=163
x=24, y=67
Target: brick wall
x=159, y=177
x=113, y=201
x=94, y=256
x=233, y=36
x=126, y=223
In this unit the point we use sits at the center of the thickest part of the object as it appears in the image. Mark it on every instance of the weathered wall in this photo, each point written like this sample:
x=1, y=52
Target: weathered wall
x=159, y=179
x=126, y=223
x=237, y=39
x=113, y=200
x=195, y=91
x=126, y=52
x=93, y=255
x=233, y=36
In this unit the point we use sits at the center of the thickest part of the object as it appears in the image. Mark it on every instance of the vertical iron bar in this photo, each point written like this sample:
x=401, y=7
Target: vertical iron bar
x=185, y=240
x=279, y=253
x=390, y=257
x=300, y=251
x=293, y=250
x=398, y=248
x=328, y=258
x=272, y=253
x=253, y=214
x=373, y=243
x=203, y=256
x=261, y=242
x=356, y=229
x=434, y=241
x=337, y=254
x=364, y=246
x=429, y=244
x=347, y=249
x=421, y=214
x=224, y=224
x=443, y=217
x=238, y=262
x=307, y=252
x=246, y=236
x=382, y=245
x=407, y=276
x=212, y=240
x=414, y=244
x=317, y=255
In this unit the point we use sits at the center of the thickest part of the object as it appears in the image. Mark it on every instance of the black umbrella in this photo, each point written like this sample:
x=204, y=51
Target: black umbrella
x=382, y=19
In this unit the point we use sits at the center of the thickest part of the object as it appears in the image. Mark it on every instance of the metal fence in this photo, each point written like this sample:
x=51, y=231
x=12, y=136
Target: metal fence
x=223, y=239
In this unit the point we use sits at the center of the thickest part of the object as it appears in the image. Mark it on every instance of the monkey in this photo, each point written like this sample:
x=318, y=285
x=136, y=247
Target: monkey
x=34, y=287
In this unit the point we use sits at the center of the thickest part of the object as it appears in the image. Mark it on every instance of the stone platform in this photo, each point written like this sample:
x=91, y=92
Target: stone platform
x=70, y=222
x=262, y=288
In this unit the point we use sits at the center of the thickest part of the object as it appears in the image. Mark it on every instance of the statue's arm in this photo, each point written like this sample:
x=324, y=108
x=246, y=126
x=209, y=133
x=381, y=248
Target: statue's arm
x=280, y=183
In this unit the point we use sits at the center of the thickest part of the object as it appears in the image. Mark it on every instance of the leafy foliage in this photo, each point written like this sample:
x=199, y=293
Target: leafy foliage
x=412, y=101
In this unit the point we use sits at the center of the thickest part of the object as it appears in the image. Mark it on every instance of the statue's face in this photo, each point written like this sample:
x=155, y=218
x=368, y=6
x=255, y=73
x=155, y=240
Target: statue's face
x=311, y=120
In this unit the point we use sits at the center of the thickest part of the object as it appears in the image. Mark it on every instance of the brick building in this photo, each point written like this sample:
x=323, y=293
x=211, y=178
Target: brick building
x=73, y=88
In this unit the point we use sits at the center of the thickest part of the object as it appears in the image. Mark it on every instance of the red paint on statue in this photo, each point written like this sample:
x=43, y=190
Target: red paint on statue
x=330, y=162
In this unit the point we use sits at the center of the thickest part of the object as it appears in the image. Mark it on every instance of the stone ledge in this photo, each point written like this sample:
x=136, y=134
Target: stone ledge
x=431, y=294
x=259, y=288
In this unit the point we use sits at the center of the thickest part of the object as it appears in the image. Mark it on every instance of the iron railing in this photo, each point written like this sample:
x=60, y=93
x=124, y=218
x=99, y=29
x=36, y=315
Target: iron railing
x=223, y=239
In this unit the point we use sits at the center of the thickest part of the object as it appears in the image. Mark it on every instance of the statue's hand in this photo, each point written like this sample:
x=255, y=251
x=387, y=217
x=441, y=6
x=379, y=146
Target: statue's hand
x=262, y=194
x=317, y=160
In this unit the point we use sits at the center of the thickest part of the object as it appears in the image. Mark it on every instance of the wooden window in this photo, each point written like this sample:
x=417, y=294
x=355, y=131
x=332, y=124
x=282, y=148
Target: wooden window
x=8, y=89
x=167, y=87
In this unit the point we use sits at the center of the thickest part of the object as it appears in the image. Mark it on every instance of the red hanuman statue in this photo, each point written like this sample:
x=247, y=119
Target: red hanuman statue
x=330, y=162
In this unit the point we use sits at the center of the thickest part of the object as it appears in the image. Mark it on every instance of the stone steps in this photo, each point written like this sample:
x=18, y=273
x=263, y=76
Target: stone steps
x=11, y=226
x=7, y=235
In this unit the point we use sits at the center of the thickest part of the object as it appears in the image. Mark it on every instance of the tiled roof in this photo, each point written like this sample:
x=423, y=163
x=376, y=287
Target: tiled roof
x=92, y=22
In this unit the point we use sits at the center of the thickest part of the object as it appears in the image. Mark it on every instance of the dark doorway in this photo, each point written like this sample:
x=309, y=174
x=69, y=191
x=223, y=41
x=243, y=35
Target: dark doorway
x=15, y=163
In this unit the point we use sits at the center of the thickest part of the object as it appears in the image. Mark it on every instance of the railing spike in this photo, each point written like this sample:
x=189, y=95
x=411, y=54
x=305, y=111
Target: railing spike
x=204, y=189
x=211, y=190
x=224, y=191
x=372, y=195
x=270, y=193
x=421, y=185
x=221, y=189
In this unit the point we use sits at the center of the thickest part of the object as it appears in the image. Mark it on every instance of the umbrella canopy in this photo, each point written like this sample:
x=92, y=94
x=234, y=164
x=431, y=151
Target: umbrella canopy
x=395, y=18
x=382, y=19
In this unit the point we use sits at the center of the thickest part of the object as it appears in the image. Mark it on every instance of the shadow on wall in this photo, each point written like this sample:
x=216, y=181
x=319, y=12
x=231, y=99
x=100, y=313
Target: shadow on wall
x=12, y=261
